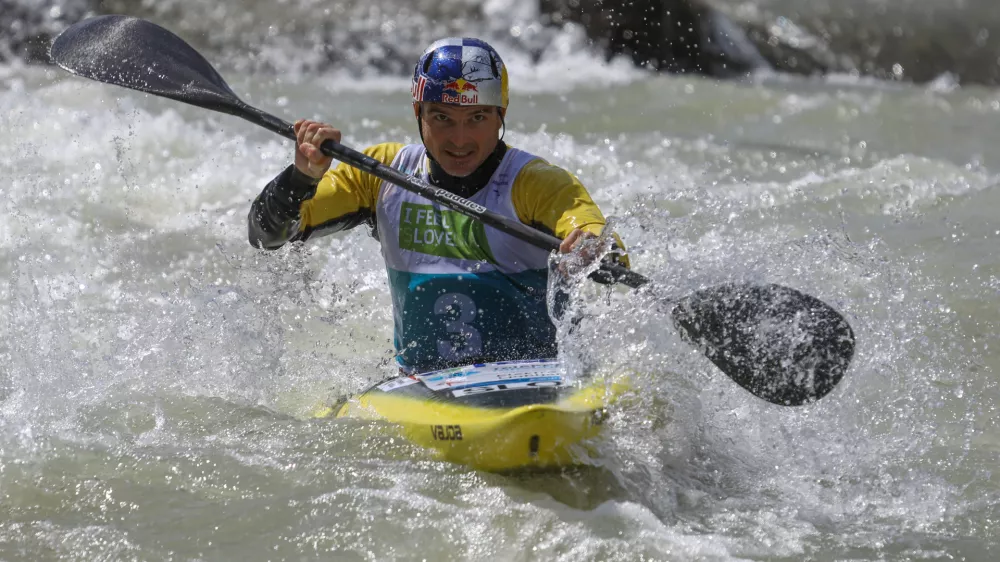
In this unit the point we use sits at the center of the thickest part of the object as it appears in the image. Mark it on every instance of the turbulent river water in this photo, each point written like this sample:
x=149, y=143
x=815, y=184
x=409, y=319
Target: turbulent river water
x=157, y=372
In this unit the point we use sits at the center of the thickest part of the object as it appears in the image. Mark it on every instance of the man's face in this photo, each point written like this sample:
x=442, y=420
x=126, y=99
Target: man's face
x=460, y=138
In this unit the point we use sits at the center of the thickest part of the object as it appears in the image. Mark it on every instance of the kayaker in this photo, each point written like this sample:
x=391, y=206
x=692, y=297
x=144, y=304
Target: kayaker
x=461, y=292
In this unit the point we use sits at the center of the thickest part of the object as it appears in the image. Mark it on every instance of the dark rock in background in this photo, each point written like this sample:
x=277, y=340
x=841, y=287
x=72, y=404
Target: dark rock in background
x=916, y=40
x=680, y=36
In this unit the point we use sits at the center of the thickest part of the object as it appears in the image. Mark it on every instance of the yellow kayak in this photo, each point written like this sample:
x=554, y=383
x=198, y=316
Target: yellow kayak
x=494, y=416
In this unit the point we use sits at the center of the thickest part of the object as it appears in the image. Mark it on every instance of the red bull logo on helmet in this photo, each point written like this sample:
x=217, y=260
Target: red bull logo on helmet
x=461, y=85
x=460, y=91
x=461, y=99
x=460, y=71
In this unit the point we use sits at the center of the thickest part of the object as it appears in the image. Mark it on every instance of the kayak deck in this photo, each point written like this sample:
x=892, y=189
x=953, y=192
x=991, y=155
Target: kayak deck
x=492, y=417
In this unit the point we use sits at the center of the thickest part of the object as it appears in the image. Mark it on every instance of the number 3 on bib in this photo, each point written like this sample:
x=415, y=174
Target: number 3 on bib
x=466, y=341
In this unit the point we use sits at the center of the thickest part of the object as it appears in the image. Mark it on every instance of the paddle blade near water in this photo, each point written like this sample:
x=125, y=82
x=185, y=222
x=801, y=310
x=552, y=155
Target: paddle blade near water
x=783, y=346
x=137, y=54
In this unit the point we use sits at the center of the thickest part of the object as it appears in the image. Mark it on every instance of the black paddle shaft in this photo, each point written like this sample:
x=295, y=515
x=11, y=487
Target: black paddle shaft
x=782, y=345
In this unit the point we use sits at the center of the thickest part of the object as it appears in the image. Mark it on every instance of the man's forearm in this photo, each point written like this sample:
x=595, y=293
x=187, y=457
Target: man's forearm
x=274, y=214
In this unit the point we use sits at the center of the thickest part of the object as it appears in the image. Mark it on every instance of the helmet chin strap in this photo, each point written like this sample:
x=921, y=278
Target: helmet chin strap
x=420, y=130
x=503, y=124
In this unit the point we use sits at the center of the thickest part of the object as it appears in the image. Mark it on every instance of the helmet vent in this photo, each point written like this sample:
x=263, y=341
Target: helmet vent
x=493, y=65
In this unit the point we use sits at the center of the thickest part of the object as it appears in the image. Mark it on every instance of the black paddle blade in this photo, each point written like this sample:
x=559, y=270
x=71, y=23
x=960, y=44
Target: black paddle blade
x=137, y=54
x=782, y=345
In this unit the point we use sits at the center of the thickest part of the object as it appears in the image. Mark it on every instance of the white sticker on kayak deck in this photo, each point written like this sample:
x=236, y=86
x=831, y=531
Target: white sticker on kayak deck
x=513, y=372
x=519, y=385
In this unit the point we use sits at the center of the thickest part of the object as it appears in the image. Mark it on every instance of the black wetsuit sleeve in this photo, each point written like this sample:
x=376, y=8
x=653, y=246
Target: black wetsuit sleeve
x=274, y=215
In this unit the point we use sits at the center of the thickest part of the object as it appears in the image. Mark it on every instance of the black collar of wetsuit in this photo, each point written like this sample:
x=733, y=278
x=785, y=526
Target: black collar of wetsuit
x=470, y=184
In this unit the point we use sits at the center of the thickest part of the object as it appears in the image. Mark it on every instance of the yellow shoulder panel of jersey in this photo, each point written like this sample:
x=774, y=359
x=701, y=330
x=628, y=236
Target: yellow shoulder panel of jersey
x=552, y=199
x=346, y=190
